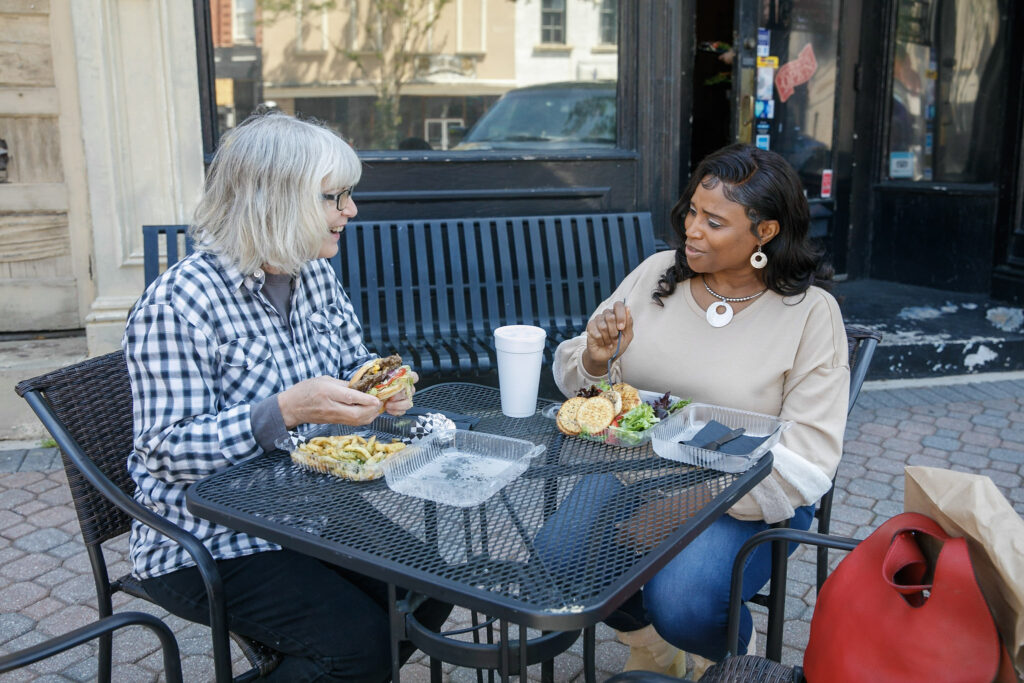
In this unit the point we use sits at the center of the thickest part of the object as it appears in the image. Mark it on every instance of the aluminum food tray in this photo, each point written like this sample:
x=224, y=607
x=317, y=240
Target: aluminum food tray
x=385, y=427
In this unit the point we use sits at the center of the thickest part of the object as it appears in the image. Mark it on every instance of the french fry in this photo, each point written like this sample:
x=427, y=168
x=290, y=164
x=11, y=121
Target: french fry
x=348, y=456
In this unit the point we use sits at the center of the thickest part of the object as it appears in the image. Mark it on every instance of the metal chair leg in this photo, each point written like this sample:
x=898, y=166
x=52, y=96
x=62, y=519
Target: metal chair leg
x=547, y=671
x=777, y=597
x=589, y=654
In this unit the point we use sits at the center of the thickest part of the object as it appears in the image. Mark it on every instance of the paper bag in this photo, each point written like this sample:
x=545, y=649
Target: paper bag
x=970, y=505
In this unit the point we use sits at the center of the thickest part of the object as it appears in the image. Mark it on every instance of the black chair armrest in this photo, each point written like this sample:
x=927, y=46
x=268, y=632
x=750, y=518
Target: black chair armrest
x=49, y=648
x=197, y=551
x=767, y=536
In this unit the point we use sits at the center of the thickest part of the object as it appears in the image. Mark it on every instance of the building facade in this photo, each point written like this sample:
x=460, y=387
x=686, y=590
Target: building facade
x=904, y=118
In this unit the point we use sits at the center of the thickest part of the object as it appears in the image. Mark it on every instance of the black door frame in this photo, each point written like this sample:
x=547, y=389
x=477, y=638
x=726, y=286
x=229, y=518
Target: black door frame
x=871, y=194
x=1008, y=277
x=835, y=212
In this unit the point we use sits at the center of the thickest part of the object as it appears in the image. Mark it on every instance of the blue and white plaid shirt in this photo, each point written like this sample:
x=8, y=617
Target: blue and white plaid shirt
x=204, y=345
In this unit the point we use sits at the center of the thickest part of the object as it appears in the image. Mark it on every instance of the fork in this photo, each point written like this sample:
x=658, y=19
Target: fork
x=715, y=444
x=618, y=343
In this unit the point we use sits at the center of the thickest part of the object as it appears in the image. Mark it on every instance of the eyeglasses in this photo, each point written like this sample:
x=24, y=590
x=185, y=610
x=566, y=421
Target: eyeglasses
x=341, y=199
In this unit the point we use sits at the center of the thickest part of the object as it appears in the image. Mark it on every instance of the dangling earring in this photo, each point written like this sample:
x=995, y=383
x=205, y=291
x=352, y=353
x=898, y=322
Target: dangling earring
x=758, y=259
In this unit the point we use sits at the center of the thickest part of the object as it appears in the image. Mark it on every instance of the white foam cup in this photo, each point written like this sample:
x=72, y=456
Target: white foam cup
x=520, y=355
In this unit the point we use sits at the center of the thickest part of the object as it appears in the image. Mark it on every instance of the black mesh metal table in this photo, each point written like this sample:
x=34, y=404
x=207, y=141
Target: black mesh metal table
x=549, y=551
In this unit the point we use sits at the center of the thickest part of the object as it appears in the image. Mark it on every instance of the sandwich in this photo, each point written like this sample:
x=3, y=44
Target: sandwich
x=383, y=378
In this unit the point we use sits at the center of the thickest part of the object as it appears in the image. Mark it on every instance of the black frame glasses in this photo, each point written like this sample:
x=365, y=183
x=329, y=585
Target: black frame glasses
x=341, y=199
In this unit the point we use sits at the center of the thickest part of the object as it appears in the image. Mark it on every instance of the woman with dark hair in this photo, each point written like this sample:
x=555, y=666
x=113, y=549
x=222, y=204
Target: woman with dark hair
x=736, y=316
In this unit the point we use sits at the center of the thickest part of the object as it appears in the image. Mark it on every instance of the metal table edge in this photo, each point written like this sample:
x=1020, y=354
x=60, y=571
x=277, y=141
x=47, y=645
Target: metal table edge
x=407, y=578
x=472, y=598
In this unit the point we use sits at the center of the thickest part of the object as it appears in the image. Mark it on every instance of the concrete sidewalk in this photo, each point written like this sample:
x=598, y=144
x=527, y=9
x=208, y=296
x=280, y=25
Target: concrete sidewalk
x=974, y=424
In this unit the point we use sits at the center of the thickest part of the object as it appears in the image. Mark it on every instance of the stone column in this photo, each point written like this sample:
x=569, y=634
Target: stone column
x=137, y=78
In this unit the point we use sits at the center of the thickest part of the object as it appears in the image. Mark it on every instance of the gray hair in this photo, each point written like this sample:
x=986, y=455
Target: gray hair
x=262, y=202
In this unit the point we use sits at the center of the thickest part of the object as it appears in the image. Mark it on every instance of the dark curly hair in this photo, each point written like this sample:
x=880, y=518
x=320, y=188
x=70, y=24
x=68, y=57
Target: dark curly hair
x=764, y=184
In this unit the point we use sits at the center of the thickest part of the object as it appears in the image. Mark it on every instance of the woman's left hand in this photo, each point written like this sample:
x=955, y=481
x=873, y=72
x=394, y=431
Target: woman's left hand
x=402, y=401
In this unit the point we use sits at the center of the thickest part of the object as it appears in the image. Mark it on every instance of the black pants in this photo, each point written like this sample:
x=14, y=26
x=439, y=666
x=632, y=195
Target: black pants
x=329, y=624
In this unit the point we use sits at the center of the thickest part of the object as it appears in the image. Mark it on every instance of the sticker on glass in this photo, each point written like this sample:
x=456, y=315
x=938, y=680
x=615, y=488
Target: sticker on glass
x=795, y=73
x=764, y=42
x=826, y=183
x=764, y=109
x=901, y=165
x=764, y=89
x=763, y=141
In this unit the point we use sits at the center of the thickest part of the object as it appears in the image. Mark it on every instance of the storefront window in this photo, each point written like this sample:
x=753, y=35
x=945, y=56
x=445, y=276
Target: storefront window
x=795, y=92
x=946, y=100
x=423, y=77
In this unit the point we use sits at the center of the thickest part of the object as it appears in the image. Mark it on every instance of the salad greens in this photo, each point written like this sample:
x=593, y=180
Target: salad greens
x=638, y=419
x=646, y=415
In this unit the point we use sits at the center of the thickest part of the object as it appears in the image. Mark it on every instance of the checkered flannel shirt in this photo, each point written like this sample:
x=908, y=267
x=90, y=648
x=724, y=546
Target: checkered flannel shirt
x=203, y=346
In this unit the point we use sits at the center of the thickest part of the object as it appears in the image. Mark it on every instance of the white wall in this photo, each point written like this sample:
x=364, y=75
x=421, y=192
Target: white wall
x=582, y=58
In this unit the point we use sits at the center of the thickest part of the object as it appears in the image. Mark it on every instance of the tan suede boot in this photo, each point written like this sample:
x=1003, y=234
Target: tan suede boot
x=700, y=665
x=649, y=652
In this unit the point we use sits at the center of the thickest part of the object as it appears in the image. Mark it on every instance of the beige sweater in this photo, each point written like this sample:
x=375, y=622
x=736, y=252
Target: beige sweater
x=778, y=356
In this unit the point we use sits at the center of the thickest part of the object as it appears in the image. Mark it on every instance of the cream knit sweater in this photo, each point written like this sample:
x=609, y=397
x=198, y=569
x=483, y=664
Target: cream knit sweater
x=778, y=356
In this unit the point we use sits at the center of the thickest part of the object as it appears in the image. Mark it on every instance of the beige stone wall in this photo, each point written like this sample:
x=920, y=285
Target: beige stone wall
x=99, y=106
x=135, y=65
x=42, y=268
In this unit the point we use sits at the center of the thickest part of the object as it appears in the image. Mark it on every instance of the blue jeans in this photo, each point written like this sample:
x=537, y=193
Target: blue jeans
x=688, y=600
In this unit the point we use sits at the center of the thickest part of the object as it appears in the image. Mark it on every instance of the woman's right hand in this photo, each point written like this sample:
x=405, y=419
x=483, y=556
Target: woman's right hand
x=326, y=400
x=603, y=336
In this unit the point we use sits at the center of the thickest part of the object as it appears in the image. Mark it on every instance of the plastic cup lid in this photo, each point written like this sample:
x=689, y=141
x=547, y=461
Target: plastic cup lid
x=519, y=338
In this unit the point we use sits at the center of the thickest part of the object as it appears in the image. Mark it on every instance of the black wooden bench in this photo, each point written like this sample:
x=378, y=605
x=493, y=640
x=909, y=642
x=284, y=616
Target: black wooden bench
x=434, y=290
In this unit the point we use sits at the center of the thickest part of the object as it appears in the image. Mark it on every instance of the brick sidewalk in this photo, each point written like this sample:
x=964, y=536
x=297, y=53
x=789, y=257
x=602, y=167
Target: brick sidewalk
x=46, y=585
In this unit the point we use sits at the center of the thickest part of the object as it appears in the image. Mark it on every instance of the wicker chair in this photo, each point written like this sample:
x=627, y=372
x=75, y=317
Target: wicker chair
x=87, y=408
x=100, y=629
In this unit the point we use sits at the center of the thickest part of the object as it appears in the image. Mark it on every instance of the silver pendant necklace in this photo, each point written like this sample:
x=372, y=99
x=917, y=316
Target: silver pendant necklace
x=719, y=314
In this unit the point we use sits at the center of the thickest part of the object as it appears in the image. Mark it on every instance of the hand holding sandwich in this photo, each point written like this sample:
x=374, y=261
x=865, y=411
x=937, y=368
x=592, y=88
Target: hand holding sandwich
x=603, y=337
x=380, y=384
x=326, y=400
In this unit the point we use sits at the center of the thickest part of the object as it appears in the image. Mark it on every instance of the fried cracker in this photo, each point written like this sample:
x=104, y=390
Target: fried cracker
x=616, y=399
x=596, y=414
x=630, y=396
x=566, y=418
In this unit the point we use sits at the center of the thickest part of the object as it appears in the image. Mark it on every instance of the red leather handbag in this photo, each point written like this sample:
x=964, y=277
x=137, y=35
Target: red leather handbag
x=889, y=614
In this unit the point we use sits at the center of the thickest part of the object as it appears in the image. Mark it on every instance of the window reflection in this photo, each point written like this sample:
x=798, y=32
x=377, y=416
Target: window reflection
x=244, y=29
x=552, y=21
x=945, y=106
x=795, y=95
x=423, y=77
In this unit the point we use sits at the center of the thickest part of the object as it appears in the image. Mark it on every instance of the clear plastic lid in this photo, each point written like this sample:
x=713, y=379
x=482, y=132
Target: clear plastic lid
x=519, y=339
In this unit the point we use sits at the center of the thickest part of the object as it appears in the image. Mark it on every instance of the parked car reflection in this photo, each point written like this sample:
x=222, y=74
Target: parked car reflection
x=573, y=115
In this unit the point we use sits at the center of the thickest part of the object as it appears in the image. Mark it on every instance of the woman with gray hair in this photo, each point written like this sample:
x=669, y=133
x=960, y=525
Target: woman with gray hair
x=229, y=349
